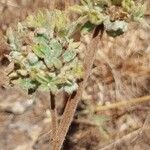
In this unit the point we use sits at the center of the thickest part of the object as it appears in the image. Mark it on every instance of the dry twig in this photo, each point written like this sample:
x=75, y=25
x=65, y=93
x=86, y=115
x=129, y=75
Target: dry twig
x=75, y=98
x=54, y=118
x=123, y=103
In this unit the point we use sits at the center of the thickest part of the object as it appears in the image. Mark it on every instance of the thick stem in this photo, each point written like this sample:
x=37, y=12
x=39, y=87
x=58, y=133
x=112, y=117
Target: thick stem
x=75, y=98
x=54, y=119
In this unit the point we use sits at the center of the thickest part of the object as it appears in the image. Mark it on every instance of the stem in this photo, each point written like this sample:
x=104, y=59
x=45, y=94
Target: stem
x=123, y=103
x=54, y=118
x=76, y=96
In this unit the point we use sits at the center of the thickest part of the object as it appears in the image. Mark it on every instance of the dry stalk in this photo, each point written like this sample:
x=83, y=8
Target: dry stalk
x=123, y=103
x=54, y=118
x=76, y=97
x=129, y=137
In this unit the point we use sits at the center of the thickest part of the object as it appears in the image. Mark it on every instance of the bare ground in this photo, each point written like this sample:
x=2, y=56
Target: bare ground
x=121, y=72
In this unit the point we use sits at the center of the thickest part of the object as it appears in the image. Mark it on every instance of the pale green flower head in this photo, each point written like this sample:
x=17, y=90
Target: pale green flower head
x=44, y=57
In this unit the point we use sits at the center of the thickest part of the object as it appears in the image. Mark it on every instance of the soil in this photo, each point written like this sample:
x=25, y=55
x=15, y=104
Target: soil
x=121, y=71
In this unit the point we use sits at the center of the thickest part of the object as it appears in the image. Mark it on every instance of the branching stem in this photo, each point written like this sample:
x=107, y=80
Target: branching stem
x=76, y=96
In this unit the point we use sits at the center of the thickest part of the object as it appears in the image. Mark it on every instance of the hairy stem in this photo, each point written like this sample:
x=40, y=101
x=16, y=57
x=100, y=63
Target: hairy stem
x=76, y=96
x=54, y=119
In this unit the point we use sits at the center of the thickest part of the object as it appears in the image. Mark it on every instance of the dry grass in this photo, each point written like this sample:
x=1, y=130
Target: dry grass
x=122, y=67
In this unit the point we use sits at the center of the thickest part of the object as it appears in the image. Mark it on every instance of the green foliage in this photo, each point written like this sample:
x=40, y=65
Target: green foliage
x=115, y=28
x=93, y=13
x=44, y=54
x=44, y=57
x=128, y=5
x=138, y=12
x=100, y=12
x=116, y=2
x=55, y=20
x=100, y=121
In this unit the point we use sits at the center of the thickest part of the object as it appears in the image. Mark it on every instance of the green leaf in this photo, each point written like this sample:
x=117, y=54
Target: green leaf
x=128, y=5
x=138, y=12
x=22, y=72
x=69, y=55
x=61, y=22
x=84, y=2
x=42, y=39
x=13, y=75
x=77, y=70
x=95, y=17
x=17, y=56
x=14, y=40
x=38, y=50
x=32, y=58
x=115, y=28
x=71, y=88
x=38, y=20
x=79, y=9
x=48, y=61
x=73, y=45
x=20, y=27
x=27, y=84
x=41, y=50
x=117, y=2
x=49, y=86
x=41, y=78
x=104, y=2
x=88, y=27
x=56, y=48
x=53, y=88
x=57, y=63
x=44, y=87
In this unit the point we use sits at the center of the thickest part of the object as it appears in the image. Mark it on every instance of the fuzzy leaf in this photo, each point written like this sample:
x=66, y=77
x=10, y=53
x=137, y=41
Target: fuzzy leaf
x=22, y=72
x=56, y=48
x=73, y=45
x=103, y=2
x=39, y=20
x=41, y=78
x=61, y=22
x=49, y=87
x=17, y=56
x=69, y=55
x=79, y=9
x=88, y=27
x=13, y=75
x=78, y=70
x=42, y=39
x=32, y=58
x=57, y=63
x=115, y=28
x=27, y=84
x=49, y=62
x=138, y=12
x=41, y=50
x=128, y=5
x=12, y=37
x=95, y=17
x=117, y=2
x=71, y=88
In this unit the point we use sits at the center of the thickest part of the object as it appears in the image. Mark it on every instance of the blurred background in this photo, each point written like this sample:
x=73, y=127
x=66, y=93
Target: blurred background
x=121, y=72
